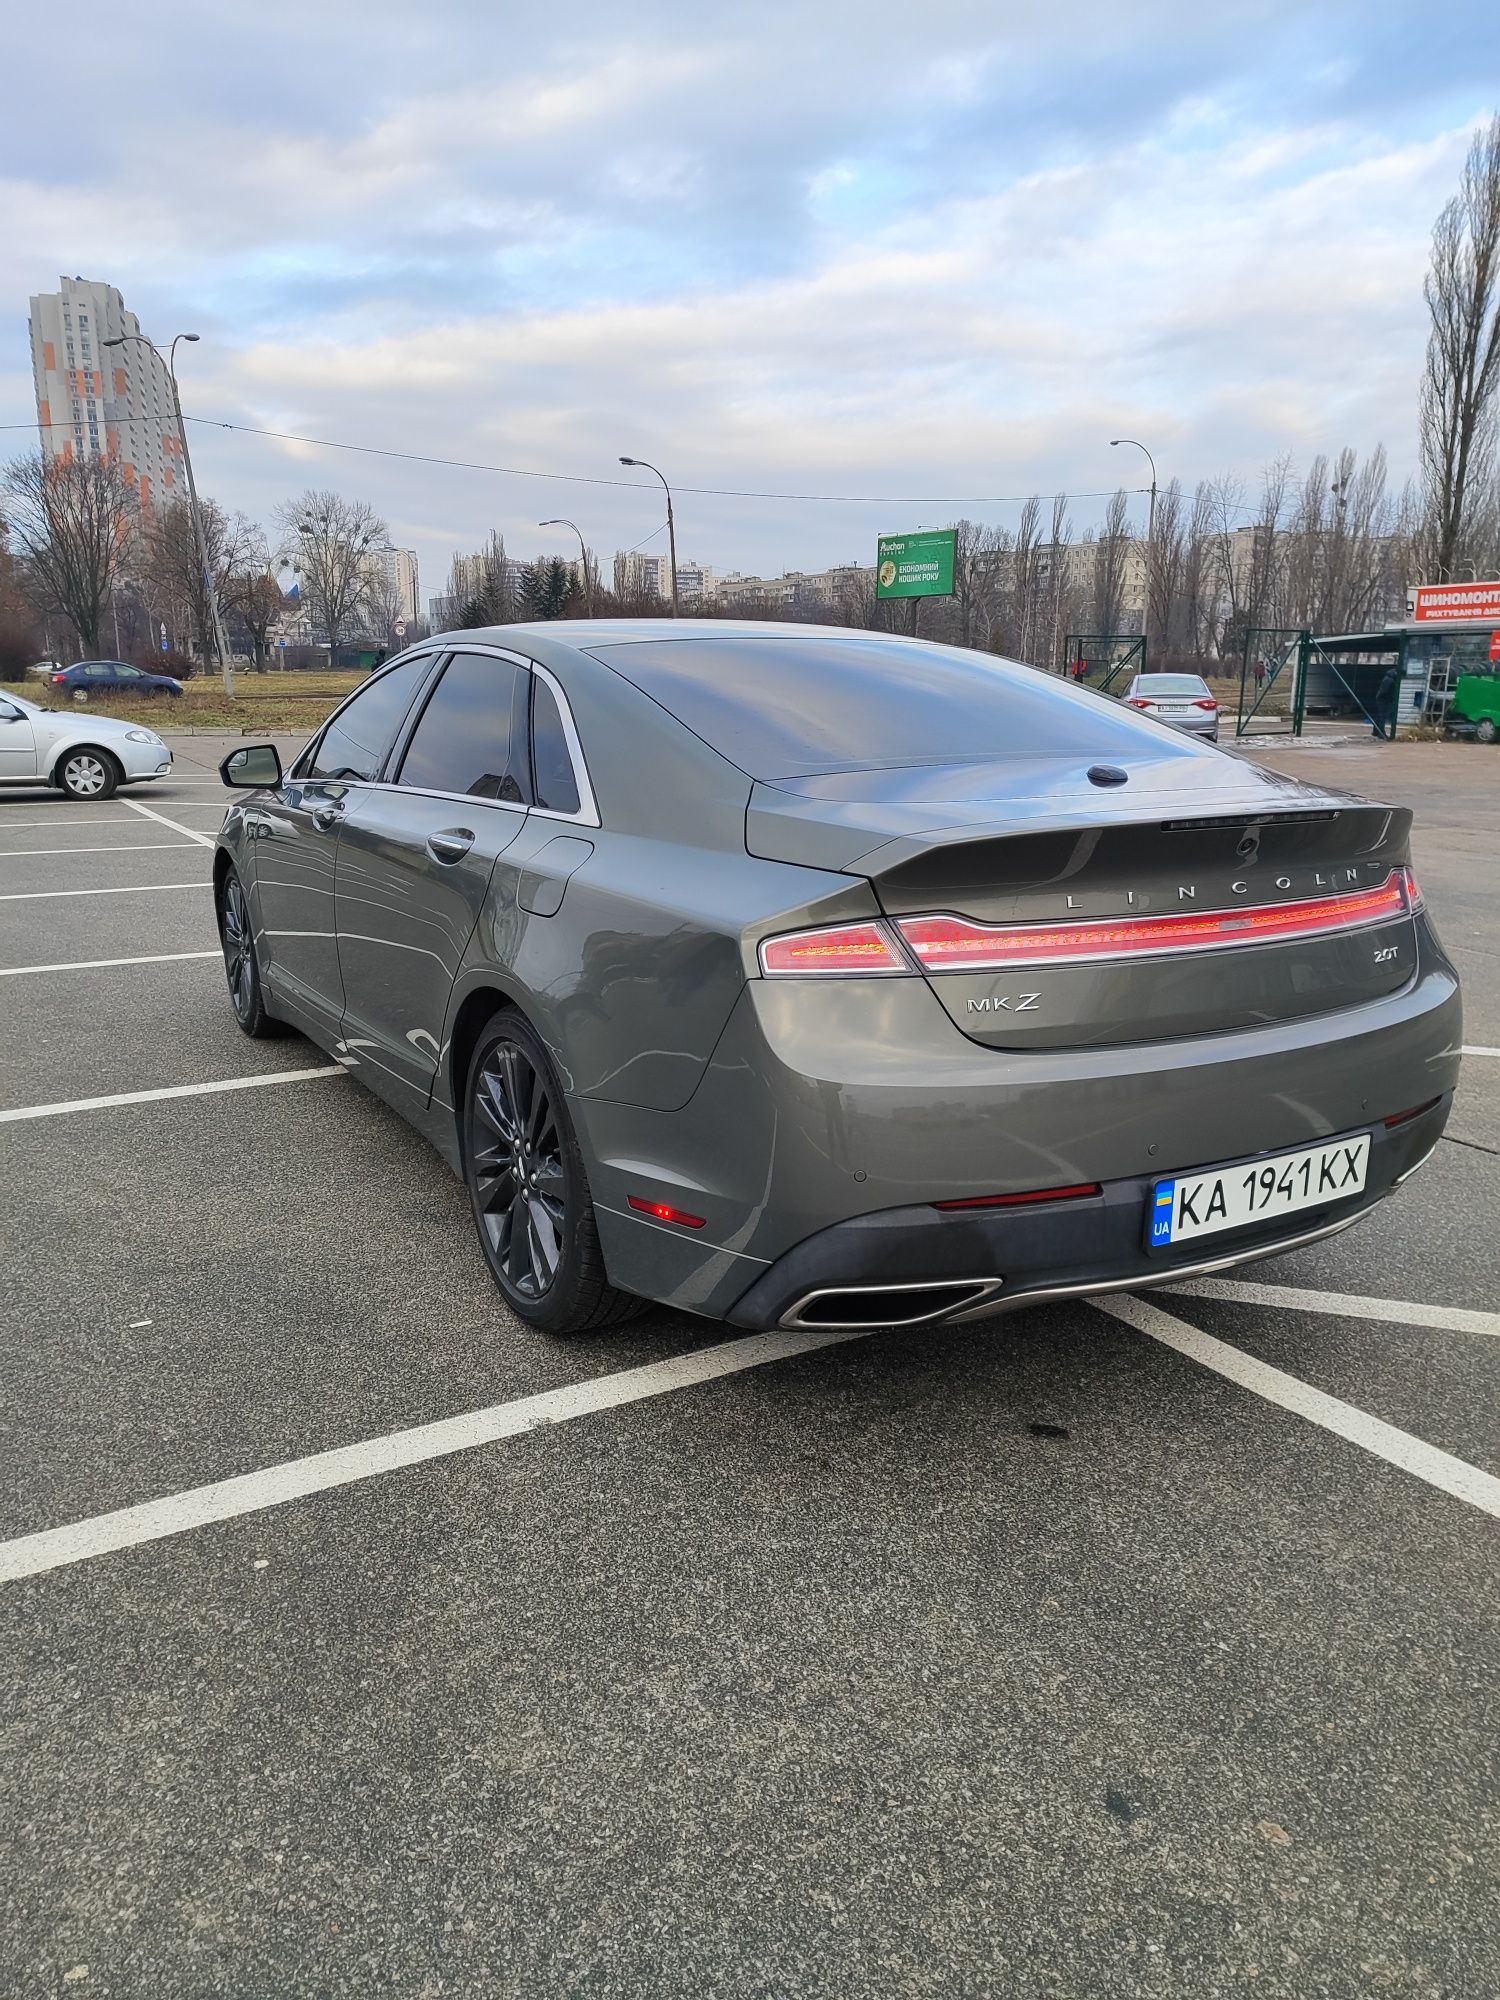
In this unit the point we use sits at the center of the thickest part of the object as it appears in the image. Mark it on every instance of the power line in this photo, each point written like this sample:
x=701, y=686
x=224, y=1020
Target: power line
x=636, y=485
x=632, y=485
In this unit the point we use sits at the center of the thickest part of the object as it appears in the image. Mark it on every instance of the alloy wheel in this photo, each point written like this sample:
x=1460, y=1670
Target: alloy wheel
x=520, y=1187
x=85, y=776
x=239, y=958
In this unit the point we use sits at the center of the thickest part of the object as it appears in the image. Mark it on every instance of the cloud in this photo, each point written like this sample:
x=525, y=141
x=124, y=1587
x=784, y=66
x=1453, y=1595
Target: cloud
x=939, y=253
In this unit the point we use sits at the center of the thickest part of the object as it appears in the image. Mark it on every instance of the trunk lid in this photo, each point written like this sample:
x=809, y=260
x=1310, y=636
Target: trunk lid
x=1173, y=898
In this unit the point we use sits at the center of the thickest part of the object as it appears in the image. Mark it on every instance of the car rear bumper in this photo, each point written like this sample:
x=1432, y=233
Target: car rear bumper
x=921, y=1265
x=835, y=1113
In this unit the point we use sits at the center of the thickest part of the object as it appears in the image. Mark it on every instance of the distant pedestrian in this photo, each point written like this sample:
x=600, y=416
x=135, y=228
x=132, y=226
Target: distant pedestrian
x=1387, y=697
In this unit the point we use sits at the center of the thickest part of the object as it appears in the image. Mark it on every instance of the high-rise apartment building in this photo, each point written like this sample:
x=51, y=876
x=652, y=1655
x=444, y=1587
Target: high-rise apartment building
x=394, y=571
x=93, y=400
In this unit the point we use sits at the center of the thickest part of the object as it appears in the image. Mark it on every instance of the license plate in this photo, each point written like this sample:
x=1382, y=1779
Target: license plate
x=1257, y=1190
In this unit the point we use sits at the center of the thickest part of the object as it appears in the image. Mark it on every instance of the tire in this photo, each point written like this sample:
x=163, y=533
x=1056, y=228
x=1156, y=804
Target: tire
x=1485, y=731
x=241, y=966
x=86, y=774
x=528, y=1189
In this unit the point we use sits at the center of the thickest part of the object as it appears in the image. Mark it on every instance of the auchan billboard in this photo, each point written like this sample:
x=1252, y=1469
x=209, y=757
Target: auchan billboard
x=1436, y=601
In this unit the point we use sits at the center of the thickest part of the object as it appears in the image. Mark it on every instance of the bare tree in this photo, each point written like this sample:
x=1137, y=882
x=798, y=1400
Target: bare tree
x=1199, y=574
x=1462, y=375
x=328, y=539
x=976, y=582
x=1164, y=571
x=1056, y=580
x=1109, y=564
x=251, y=592
x=176, y=578
x=1025, y=581
x=71, y=520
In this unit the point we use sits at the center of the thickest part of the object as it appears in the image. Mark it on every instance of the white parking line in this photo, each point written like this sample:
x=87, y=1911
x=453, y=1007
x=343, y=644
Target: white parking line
x=203, y=839
x=129, y=889
x=24, y=1112
x=119, y=847
x=1399, y=1448
x=56, y=821
x=1398, y=1312
x=251, y=1492
x=98, y=964
x=1478, y=1049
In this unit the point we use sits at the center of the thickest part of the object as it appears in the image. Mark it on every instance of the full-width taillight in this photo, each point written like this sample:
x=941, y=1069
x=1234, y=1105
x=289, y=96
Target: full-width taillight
x=1204, y=701
x=953, y=944
x=832, y=953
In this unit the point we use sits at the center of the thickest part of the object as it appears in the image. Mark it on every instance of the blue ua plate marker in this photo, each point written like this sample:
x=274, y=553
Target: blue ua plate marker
x=1161, y=1213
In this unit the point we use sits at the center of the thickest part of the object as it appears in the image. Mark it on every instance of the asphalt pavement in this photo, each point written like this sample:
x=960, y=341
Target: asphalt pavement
x=1034, y=1658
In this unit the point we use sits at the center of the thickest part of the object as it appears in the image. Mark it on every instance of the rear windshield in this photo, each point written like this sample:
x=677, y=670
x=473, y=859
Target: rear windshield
x=787, y=707
x=1170, y=684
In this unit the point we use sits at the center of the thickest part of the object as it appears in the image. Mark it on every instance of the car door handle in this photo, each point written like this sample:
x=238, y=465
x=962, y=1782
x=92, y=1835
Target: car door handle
x=327, y=816
x=452, y=844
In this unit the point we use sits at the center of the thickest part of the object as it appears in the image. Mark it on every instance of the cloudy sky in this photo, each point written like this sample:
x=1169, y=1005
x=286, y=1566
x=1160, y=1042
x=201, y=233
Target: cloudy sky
x=938, y=254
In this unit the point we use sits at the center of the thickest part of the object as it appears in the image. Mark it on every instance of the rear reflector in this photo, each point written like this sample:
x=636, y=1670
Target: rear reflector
x=1405, y=1117
x=663, y=1213
x=953, y=944
x=1027, y=1200
x=832, y=953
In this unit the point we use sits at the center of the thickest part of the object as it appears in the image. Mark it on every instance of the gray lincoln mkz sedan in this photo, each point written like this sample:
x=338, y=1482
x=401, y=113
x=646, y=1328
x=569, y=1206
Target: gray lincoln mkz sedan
x=802, y=977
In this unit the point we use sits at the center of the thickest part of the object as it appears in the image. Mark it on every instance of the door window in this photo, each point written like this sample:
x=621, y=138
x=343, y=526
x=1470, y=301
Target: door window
x=129, y=674
x=355, y=743
x=464, y=740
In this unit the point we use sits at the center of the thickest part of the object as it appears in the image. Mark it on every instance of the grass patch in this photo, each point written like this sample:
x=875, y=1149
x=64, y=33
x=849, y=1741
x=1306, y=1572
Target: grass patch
x=269, y=704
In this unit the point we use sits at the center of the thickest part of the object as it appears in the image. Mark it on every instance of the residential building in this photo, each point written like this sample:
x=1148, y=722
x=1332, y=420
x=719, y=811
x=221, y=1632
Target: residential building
x=93, y=401
x=797, y=590
x=636, y=571
x=393, y=573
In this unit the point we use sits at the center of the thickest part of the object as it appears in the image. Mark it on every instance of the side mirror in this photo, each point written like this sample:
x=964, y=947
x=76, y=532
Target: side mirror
x=255, y=766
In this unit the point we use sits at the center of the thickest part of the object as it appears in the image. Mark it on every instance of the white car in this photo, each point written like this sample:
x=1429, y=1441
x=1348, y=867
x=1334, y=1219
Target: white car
x=86, y=756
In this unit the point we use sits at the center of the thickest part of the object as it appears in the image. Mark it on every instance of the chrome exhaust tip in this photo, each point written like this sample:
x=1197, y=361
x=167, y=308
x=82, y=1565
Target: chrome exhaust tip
x=853, y=1306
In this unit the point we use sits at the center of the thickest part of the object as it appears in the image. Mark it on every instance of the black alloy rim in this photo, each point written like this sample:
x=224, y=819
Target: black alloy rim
x=516, y=1156
x=239, y=961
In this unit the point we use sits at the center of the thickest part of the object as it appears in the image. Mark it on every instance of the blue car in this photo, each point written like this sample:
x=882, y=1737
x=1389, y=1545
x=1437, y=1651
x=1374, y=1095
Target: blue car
x=113, y=676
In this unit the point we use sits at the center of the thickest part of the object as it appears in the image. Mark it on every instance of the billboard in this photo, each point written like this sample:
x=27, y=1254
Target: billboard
x=919, y=565
x=1438, y=601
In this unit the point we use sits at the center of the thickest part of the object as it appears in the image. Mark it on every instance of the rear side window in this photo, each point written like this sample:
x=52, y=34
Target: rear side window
x=553, y=776
x=355, y=743
x=789, y=707
x=463, y=741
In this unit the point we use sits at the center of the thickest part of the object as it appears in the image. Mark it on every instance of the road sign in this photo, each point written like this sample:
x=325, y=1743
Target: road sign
x=399, y=628
x=282, y=644
x=1437, y=601
x=164, y=646
x=919, y=565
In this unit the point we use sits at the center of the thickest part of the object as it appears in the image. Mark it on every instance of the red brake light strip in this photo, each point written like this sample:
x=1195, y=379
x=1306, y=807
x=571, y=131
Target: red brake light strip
x=953, y=944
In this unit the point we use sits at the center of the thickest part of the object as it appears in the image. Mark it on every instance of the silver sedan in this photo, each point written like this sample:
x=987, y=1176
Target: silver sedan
x=1183, y=700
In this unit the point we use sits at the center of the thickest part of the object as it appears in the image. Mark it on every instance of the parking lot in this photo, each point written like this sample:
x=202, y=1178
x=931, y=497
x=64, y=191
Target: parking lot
x=358, y=1641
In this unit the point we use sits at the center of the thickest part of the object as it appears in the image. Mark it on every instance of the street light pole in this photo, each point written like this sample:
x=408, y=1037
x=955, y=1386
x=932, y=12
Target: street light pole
x=561, y=521
x=646, y=466
x=205, y=570
x=1150, y=545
